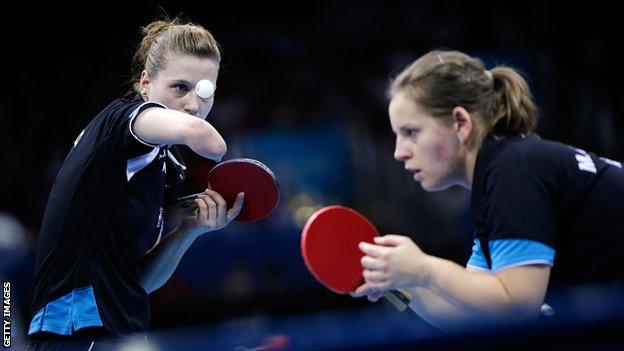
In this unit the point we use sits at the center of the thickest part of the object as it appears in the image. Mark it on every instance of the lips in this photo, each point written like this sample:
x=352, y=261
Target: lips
x=415, y=174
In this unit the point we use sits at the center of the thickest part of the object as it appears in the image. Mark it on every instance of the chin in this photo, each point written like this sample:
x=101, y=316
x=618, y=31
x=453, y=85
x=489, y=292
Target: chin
x=432, y=187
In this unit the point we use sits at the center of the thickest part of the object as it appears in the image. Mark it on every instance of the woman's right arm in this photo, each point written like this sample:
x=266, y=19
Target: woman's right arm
x=438, y=311
x=429, y=306
x=160, y=126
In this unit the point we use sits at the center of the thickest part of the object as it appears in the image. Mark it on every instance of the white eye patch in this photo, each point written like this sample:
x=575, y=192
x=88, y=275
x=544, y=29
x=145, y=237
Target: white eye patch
x=204, y=88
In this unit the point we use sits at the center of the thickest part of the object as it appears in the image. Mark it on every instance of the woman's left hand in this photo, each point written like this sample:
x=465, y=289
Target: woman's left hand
x=212, y=212
x=393, y=262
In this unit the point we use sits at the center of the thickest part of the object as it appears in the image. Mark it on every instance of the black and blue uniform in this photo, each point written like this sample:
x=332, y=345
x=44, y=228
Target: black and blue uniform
x=104, y=212
x=542, y=202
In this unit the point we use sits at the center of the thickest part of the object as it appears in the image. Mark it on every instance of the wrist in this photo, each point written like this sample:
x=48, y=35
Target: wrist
x=426, y=269
x=191, y=230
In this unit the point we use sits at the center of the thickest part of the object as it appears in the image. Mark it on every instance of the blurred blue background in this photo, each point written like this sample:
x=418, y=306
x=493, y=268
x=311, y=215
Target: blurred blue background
x=302, y=89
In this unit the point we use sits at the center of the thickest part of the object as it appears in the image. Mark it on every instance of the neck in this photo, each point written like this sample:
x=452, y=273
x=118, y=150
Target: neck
x=469, y=166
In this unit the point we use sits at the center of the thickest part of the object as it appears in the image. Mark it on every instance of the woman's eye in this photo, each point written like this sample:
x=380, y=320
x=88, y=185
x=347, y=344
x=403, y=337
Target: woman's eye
x=411, y=132
x=180, y=88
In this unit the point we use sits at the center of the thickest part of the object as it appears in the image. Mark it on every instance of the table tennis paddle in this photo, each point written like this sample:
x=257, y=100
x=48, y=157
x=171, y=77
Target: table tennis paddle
x=329, y=246
x=242, y=175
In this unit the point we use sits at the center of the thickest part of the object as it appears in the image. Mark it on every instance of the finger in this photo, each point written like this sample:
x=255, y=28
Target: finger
x=381, y=286
x=374, y=296
x=362, y=290
x=202, y=211
x=372, y=249
x=372, y=263
x=390, y=240
x=236, y=208
x=221, y=206
x=216, y=197
x=374, y=276
x=212, y=209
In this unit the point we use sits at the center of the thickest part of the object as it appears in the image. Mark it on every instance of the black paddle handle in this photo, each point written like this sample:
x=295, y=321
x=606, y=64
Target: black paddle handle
x=187, y=202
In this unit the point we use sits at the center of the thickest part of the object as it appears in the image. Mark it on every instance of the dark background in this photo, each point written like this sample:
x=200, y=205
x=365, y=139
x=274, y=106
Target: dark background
x=302, y=89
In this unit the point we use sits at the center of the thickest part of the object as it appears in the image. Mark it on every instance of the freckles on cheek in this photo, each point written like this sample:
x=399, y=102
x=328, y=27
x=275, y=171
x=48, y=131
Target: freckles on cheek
x=441, y=152
x=442, y=149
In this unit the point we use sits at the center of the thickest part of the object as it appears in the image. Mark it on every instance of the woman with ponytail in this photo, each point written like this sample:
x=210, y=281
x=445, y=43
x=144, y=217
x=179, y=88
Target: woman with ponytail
x=101, y=247
x=547, y=214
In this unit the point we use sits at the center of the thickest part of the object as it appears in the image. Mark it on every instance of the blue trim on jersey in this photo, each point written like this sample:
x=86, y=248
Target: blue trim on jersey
x=477, y=259
x=507, y=253
x=513, y=252
x=68, y=313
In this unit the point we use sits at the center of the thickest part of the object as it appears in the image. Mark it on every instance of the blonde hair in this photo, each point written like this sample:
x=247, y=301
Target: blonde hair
x=500, y=99
x=163, y=39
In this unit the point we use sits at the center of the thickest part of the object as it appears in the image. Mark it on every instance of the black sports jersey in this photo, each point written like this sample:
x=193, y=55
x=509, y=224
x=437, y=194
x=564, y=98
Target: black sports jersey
x=538, y=201
x=103, y=214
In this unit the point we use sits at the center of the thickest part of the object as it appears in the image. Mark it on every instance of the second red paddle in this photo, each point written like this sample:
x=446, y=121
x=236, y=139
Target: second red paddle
x=329, y=246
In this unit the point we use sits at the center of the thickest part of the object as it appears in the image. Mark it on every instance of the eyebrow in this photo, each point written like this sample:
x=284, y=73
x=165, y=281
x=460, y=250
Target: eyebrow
x=405, y=128
x=180, y=81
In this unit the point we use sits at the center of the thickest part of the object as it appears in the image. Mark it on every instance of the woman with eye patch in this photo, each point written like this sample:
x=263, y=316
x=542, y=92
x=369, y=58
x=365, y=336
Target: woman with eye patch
x=101, y=248
x=548, y=215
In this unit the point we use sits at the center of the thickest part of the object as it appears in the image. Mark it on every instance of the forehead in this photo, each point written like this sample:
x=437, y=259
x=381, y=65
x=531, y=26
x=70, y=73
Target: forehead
x=404, y=111
x=190, y=68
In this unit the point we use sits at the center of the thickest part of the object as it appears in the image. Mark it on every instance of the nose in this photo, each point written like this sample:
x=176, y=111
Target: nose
x=192, y=103
x=400, y=152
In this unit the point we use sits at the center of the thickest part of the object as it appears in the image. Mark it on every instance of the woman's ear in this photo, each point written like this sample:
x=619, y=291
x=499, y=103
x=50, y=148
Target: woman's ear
x=463, y=124
x=144, y=83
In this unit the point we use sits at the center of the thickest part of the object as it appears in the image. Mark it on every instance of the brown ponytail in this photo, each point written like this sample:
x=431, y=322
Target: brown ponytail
x=513, y=109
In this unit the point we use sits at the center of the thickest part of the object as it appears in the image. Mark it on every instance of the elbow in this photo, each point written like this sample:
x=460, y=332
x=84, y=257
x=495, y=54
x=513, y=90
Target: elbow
x=514, y=312
x=524, y=311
